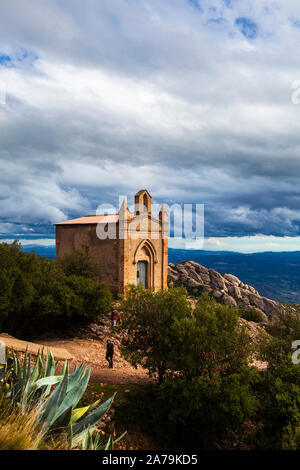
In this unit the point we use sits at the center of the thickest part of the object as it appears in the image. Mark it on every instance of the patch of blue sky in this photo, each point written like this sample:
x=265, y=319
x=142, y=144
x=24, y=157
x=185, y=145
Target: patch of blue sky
x=26, y=56
x=247, y=27
x=195, y=4
x=219, y=20
x=18, y=57
x=296, y=23
x=5, y=60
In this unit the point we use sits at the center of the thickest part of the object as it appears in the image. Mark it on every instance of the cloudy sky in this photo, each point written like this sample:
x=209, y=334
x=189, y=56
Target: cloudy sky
x=193, y=100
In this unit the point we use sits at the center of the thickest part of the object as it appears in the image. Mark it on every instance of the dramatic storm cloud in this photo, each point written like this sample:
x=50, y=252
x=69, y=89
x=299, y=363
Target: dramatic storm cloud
x=191, y=99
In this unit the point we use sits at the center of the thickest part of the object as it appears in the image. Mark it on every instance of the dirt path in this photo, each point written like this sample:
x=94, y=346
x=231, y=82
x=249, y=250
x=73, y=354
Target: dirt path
x=93, y=353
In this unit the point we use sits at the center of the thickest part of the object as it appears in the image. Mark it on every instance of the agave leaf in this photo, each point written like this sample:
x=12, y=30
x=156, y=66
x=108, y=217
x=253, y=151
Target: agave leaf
x=84, y=443
x=36, y=370
x=50, y=369
x=94, y=405
x=93, y=418
x=79, y=438
x=50, y=380
x=88, y=441
x=74, y=395
x=42, y=357
x=65, y=366
x=73, y=377
x=50, y=364
x=16, y=368
x=53, y=402
x=62, y=421
x=76, y=375
x=78, y=413
x=17, y=383
x=28, y=372
x=76, y=416
x=27, y=394
x=25, y=365
x=93, y=443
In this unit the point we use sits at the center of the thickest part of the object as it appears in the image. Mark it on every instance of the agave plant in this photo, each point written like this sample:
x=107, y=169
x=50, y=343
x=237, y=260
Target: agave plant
x=55, y=398
x=92, y=442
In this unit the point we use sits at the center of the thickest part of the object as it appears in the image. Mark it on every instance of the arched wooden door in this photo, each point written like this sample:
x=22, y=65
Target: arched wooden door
x=141, y=274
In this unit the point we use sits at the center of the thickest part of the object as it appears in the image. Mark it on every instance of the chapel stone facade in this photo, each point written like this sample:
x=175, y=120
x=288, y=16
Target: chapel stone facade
x=131, y=248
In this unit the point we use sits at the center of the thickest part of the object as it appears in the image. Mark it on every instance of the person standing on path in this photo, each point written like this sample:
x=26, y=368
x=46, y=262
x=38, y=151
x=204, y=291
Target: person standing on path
x=114, y=317
x=109, y=353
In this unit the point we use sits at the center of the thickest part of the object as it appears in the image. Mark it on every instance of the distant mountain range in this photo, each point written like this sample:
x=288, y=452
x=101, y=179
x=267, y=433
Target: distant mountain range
x=273, y=275
x=47, y=251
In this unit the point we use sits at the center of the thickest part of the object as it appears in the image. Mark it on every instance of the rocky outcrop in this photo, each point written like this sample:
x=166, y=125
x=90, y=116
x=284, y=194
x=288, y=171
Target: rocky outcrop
x=225, y=288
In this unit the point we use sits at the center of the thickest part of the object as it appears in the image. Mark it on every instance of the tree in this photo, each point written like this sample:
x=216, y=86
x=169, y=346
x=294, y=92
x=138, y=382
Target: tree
x=35, y=291
x=279, y=387
x=201, y=359
x=209, y=407
x=16, y=290
x=275, y=346
x=78, y=263
x=210, y=341
x=92, y=298
x=149, y=322
x=210, y=391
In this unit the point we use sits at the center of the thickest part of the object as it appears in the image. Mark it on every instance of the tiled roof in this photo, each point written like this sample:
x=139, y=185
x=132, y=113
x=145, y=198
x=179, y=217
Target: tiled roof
x=92, y=219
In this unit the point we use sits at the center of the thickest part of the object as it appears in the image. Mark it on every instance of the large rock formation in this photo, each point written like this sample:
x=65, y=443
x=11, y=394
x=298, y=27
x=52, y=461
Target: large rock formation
x=225, y=288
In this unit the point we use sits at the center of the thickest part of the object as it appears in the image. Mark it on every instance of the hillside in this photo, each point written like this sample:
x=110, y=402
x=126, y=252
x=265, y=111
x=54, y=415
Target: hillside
x=226, y=288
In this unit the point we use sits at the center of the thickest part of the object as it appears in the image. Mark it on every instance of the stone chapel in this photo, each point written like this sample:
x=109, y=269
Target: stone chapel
x=131, y=248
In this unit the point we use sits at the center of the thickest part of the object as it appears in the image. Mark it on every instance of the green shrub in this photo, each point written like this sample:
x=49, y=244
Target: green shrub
x=78, y=263
x=279, y=408
x=251, y=314
x=291, y=438
x=92, y=298
x=149, y=322
x=194, y=413
x=275, y=346
x=36, y=291
x=193, y=291
x=205, y=388
x=210, y=341
x=279, y=387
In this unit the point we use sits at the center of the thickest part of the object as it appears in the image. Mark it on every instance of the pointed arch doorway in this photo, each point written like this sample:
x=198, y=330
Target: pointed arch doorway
x=145, y=258
x=141, y=274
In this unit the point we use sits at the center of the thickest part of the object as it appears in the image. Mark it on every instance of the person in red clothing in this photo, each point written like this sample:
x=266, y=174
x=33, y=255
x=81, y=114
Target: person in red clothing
x=114, y=317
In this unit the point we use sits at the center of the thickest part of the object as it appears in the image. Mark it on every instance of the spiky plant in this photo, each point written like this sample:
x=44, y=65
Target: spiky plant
x=53, y=399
